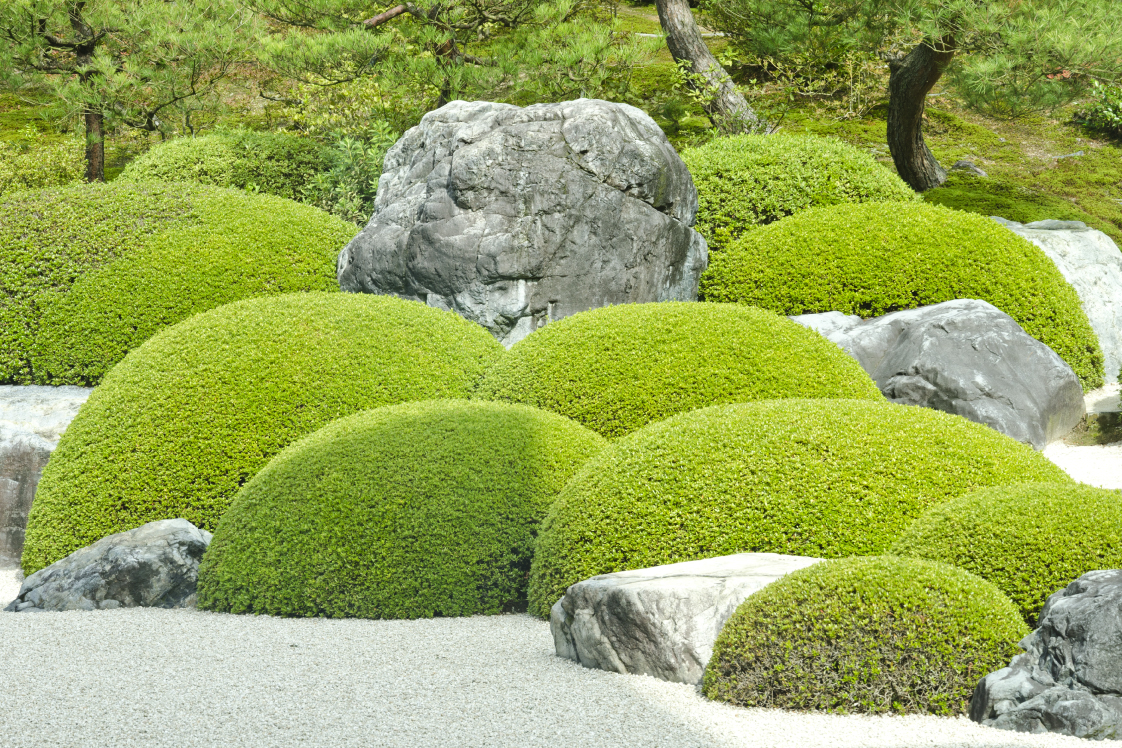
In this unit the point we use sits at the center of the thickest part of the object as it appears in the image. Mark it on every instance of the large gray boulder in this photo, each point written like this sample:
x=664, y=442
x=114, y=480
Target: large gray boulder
x=32, y=419
x=1069, y=678
x=514, y=217
x=154, y=566
x=965, y=357
x=1092, y=263
x=661, y=621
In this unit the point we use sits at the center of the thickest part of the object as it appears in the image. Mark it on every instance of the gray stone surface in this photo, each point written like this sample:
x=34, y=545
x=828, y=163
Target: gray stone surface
x=514, y=217
x=969, y=167
x=153, y=566
x=965, y=357
x=1092, y=263
x=1069, y=678
x=661, y=621
x=32, y=420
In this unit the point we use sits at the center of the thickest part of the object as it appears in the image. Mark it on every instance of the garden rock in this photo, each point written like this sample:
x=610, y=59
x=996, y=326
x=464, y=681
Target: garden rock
x=154, y=566
x=32, y=420
x=965, y=357
x=513, y=217
x=968, y=167
x=1092, y=263
x=1069, y=678
x=661, y=621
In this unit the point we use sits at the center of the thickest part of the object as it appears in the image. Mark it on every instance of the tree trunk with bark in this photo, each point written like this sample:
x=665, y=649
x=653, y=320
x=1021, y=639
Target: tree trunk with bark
x=95, y=146
x=911, y=78
x=726, y=107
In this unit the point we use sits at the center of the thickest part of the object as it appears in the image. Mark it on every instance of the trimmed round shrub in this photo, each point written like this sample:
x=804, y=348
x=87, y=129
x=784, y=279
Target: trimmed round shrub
x=408, y=511
x=249, y=245
x=744, y=181
x=616, y=369
x=823, y=478
x=877, y=258
x=186, y=419
x=1030, y=540
x=275, y=163
x=879, y=634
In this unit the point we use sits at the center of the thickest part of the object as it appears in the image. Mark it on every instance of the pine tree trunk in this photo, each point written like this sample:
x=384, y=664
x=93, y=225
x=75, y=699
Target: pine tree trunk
x=95, y=146
x=727, y=107
x=911, y=78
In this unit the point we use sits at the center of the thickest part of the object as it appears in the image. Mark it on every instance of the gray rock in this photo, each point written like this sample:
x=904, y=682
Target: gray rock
x=514, y=217
x=1069, y=678
x=968, y=167
x=965, y=357
x=1092, y=263
x=32, y=419
x=154, y=566
x=661, y=621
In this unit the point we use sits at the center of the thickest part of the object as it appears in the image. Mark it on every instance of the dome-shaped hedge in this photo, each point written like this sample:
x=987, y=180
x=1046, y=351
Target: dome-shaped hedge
x=876, y=258
x=89, y=272
x=824, y=478
x=187, y=418
x=274, y=163
x=745, y=181
x=407, y=511
x=616, y=369
x=878, y=634
x=1030, y=540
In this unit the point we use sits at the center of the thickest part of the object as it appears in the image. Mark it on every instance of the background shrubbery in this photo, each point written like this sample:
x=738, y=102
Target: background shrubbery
x=32, y=162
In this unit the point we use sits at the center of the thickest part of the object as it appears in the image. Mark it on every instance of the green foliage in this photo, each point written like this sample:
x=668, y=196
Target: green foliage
x=748, y=180
x=876, y=258
x=247, y=245
x=875, y=635
x=348, y=186
x=823, y=478
x=1104, y=112
x=616, y=369
x=275, y=163
x=34, y=163
x=1030, y=540
x=410, y=511
x=186, y=419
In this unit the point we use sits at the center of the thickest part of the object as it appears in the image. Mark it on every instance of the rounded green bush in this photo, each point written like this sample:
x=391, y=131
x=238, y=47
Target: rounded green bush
x=877, y=258
x=275, y=163
x=746, y=181
x=187, y=418
x=1030, y=540
x=877, y=634
x=823, y=478
x=616, y=369
x=408, y=511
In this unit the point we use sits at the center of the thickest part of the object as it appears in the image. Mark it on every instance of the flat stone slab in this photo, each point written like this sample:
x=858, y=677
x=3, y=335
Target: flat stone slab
x=661, y=621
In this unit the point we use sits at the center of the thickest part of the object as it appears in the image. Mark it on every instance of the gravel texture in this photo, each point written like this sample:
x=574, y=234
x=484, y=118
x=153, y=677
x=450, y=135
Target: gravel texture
x=1099, y=465
x=145, y=677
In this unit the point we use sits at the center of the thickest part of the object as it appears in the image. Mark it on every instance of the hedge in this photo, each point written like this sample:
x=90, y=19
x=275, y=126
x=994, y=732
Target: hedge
x=274, y=163
x=616, y=369
x=876, y=258
x=878, y=634
x=823, y=478
x=190, y=416
x=746, y=181
x=408, y=511
x=1030, y=540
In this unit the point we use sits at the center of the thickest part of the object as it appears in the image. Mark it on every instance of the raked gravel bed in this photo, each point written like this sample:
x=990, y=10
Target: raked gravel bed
x=144, y=677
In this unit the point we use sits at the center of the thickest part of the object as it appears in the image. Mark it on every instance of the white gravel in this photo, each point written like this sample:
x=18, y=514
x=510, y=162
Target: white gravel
x=143, y=677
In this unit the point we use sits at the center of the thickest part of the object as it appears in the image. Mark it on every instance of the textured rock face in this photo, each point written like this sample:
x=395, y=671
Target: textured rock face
x=660, y=621
x=154, y=566
x=32, y=420
x=965, y=357
x=1069, y=679
x=1092, y=263
x=513, y=217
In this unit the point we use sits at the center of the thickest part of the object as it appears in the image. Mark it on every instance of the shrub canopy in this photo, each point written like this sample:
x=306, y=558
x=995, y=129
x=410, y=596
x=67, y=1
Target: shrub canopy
x=877, y=258
x=187, y=418
x=876, y=634
x=823, y=478
x=616, y=369
x=746, y=181
x=407, y=511
x=1030, y=540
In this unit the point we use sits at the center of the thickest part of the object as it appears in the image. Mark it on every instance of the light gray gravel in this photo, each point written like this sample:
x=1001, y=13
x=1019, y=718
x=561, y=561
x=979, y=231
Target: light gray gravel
x=143, y=677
